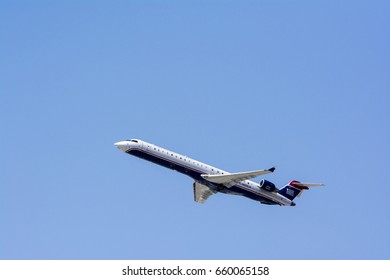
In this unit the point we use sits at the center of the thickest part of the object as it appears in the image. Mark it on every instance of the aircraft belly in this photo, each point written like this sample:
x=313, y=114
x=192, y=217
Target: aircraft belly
x=196, y=175
x=167, y=163
x=254, y=196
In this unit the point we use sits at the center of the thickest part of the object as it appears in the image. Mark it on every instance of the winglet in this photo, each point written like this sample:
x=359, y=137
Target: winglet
x=272, y=169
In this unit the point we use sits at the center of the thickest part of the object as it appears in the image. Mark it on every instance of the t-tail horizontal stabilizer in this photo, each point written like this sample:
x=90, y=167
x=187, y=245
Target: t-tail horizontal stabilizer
x=295, y=188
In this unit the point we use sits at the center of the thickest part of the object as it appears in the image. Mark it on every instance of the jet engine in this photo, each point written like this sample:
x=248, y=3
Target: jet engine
x=267, y=185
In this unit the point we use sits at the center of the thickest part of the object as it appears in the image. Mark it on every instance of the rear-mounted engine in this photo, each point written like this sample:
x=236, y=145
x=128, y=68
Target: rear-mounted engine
x=267, y=185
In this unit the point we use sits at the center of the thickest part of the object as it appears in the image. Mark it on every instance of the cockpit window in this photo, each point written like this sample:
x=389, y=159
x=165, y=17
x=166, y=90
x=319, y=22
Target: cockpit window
x=131, y=140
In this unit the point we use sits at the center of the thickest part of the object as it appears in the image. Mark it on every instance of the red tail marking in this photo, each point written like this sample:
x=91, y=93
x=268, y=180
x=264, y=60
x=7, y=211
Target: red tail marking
x=295, y=184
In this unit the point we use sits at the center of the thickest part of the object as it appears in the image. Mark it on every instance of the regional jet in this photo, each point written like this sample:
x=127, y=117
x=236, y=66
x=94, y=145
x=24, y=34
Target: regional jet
x=209, y=180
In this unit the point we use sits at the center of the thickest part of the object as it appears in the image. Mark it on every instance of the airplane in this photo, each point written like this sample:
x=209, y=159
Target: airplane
x=209, y=180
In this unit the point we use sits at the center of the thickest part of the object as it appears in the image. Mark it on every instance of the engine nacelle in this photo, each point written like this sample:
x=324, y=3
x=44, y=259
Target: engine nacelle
x=267, y=185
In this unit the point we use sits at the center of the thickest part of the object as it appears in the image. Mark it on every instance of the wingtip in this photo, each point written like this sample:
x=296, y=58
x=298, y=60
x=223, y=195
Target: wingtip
x=272, y=169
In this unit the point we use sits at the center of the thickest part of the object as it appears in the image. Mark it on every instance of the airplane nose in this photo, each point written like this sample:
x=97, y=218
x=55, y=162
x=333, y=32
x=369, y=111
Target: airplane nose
x=121, y=145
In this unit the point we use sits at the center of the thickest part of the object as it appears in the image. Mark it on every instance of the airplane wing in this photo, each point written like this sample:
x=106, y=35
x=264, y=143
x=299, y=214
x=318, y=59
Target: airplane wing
x=231, y=179
x=202, y=192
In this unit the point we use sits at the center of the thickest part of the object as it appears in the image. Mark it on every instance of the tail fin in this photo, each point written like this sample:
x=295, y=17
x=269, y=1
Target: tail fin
x=295, y=188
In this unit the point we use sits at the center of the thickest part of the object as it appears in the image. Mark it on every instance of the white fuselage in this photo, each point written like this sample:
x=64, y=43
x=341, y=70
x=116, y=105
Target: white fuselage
x=195, y=169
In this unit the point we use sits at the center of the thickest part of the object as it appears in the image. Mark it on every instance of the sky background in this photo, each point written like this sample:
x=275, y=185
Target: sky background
x=240, y=85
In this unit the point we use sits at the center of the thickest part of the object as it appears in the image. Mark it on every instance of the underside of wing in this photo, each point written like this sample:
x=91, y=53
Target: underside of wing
x=231, y=179
x=202, y=192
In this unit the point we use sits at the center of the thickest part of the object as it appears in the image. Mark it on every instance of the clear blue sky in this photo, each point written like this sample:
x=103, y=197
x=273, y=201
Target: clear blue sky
x=241, y=85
